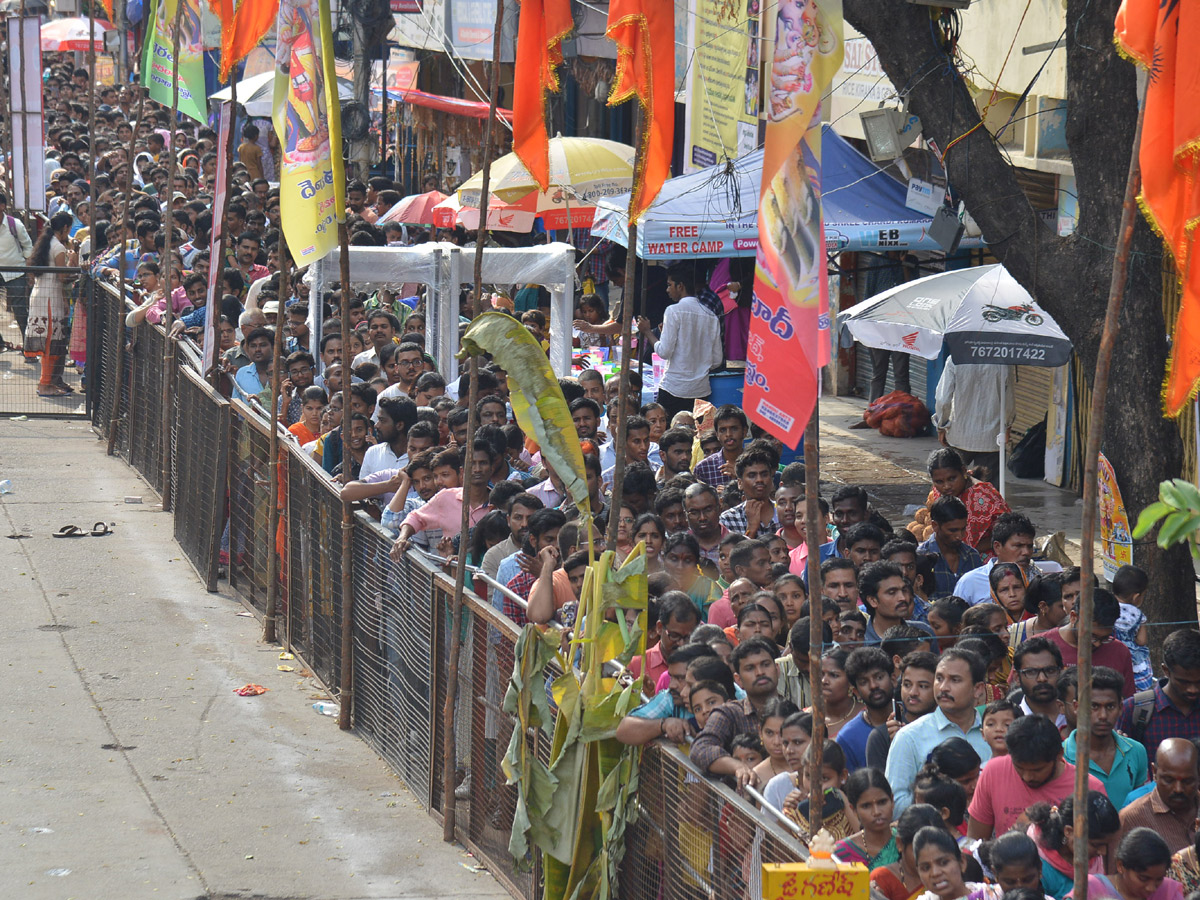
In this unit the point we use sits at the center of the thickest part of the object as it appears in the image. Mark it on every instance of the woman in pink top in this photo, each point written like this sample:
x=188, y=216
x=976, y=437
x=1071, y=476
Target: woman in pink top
x=1142, y=862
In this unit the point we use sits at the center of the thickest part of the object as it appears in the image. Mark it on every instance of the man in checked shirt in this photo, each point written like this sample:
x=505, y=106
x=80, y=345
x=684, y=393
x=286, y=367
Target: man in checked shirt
x=753, y=664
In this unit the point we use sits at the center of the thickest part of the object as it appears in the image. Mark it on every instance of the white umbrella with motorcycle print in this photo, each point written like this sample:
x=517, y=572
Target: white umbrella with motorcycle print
x=981, y=314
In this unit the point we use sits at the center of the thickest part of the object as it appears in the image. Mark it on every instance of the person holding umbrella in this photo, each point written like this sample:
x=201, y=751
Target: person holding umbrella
x=970, y=405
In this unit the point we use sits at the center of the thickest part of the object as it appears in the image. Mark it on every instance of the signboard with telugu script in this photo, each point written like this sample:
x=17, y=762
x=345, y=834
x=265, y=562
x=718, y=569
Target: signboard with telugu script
x=796, y=881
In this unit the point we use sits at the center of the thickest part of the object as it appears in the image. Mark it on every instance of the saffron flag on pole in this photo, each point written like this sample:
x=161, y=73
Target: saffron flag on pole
x=543, y=26
x=159, y=69
x=644, y=32
x=307, y=116
x=242, y=28
x=789, y=323
x=1161, y=36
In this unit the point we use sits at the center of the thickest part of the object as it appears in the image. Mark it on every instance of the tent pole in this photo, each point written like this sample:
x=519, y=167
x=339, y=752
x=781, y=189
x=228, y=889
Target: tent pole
x=1002, y=437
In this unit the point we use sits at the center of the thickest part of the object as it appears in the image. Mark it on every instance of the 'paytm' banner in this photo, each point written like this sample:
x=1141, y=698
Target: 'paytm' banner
x=308, y=116
x=160, y=70
x=789, y=325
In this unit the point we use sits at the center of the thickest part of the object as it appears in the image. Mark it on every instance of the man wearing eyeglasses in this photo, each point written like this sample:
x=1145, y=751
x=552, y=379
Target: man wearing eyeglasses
x=1038, y=663
x=1105, y=650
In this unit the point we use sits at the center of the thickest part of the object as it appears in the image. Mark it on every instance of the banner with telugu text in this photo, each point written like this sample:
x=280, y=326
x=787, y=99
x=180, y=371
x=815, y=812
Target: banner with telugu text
x=723, y=91
x=159, y=71
x=789, y=325
x=307, y=116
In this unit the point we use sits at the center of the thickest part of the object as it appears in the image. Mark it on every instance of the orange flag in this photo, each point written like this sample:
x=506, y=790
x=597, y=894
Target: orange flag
x=644, y=32
x=107, y=4
x=540, y=33
x=242, y=28
x=1162, y=36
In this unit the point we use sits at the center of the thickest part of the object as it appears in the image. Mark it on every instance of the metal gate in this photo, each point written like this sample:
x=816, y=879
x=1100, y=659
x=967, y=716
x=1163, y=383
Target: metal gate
x=26, y=293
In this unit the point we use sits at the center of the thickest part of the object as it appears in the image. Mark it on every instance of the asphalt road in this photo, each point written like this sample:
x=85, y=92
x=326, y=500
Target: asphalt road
x=128, y=766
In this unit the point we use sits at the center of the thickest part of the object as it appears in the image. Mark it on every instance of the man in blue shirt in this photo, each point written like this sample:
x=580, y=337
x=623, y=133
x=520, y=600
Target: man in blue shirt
x=958, y=672
x=254, y=380
x=887, y=595
x=869, y=670
x=1118, y=761
x=955, y=556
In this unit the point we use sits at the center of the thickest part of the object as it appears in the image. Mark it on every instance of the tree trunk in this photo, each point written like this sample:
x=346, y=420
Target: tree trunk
x=1069, y=276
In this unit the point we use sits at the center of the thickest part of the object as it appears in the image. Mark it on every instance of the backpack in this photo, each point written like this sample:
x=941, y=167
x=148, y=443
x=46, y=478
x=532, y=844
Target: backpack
x=1143, y=712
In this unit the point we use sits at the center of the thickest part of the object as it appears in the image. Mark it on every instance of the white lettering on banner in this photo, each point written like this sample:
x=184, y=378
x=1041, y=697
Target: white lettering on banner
x=775, y=414
x=993, y=352
x=682, y=248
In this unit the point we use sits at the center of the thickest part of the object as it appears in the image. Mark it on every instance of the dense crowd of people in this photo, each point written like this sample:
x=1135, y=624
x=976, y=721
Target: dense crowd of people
x=948, y=652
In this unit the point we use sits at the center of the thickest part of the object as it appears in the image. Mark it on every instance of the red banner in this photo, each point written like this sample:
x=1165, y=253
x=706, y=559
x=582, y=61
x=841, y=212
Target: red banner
x=789, y=325
x=644, y=32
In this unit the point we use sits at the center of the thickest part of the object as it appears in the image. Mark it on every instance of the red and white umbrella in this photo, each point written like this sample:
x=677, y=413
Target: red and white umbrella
x=416, y=209
x=72, y=34
x=500, y=216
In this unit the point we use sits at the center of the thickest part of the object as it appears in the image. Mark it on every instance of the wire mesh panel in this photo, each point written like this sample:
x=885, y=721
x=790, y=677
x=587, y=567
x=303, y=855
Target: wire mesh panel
x=694, y=838
x=393, y=655
x=249, y=504
x=201, y=448
x=486, y=806
x=312, y=608
x=34, y=304
x=146, y=404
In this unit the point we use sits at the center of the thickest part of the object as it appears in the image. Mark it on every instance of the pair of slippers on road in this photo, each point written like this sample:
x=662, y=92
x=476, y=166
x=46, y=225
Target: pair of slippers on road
x=100, y=529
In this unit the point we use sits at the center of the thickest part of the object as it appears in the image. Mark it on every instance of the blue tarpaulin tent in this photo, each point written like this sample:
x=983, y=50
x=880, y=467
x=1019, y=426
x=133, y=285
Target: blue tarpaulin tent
x=714, y=212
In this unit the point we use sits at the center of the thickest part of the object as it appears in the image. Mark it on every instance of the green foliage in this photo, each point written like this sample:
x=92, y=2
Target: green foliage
x=1177, y=515
x=575, y=809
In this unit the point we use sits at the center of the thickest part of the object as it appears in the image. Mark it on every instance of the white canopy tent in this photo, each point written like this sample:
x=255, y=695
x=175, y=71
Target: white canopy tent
x=444, y=269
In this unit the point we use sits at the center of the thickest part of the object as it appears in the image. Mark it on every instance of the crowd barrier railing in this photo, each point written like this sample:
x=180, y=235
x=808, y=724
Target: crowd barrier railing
x=693, y=837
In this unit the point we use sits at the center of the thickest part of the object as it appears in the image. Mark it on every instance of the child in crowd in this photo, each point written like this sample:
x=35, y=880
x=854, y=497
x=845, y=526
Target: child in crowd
x=770, y=733
x=1129, y=585
x=838, y=817
x=704, y=698
x=997, y=716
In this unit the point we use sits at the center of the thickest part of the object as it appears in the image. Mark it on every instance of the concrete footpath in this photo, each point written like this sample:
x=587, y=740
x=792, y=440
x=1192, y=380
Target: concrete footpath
x=128, y=766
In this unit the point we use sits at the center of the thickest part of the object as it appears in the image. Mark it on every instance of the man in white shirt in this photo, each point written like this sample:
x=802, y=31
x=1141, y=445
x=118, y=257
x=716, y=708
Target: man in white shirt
x=690, y=342
x=1012, y=541
x=396, y=416
x=968, y=416
x=15, y=247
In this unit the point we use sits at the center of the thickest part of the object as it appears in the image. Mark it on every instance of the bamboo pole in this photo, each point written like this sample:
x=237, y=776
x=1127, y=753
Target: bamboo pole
x=347, y=680
x=169, y=234
x=1091, y=491
x=119, y=325
x=230, y=143
x=450, y=744
x=628, y=300
x=272, y=612
x=814, y=539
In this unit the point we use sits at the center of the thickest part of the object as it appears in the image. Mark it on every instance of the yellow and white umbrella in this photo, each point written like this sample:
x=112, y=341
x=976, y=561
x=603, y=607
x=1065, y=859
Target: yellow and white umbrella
x=582, y=171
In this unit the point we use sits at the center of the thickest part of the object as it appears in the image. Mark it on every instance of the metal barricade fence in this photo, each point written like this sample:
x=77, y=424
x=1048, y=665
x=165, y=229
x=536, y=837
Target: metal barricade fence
x=310, y=595
x=393, y=655
x=693, y=839
x=201, y=453
x=249, y=504
x=25, y=315
x=146, y=403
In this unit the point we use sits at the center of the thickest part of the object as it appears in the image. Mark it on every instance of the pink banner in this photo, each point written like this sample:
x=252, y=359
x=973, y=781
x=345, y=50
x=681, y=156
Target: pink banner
x=789, y=325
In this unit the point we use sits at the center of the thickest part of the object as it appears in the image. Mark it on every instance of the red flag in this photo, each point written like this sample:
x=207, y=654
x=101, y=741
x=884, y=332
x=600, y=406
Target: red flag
x=543, y=25
x=644, y=32
x=1156, y=35
x=242, y=28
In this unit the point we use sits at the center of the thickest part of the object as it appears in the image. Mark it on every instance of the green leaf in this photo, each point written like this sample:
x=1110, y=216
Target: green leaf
x=1149, y=518
x=1177, y=527
x=1189, y=492
x=1171, y=495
